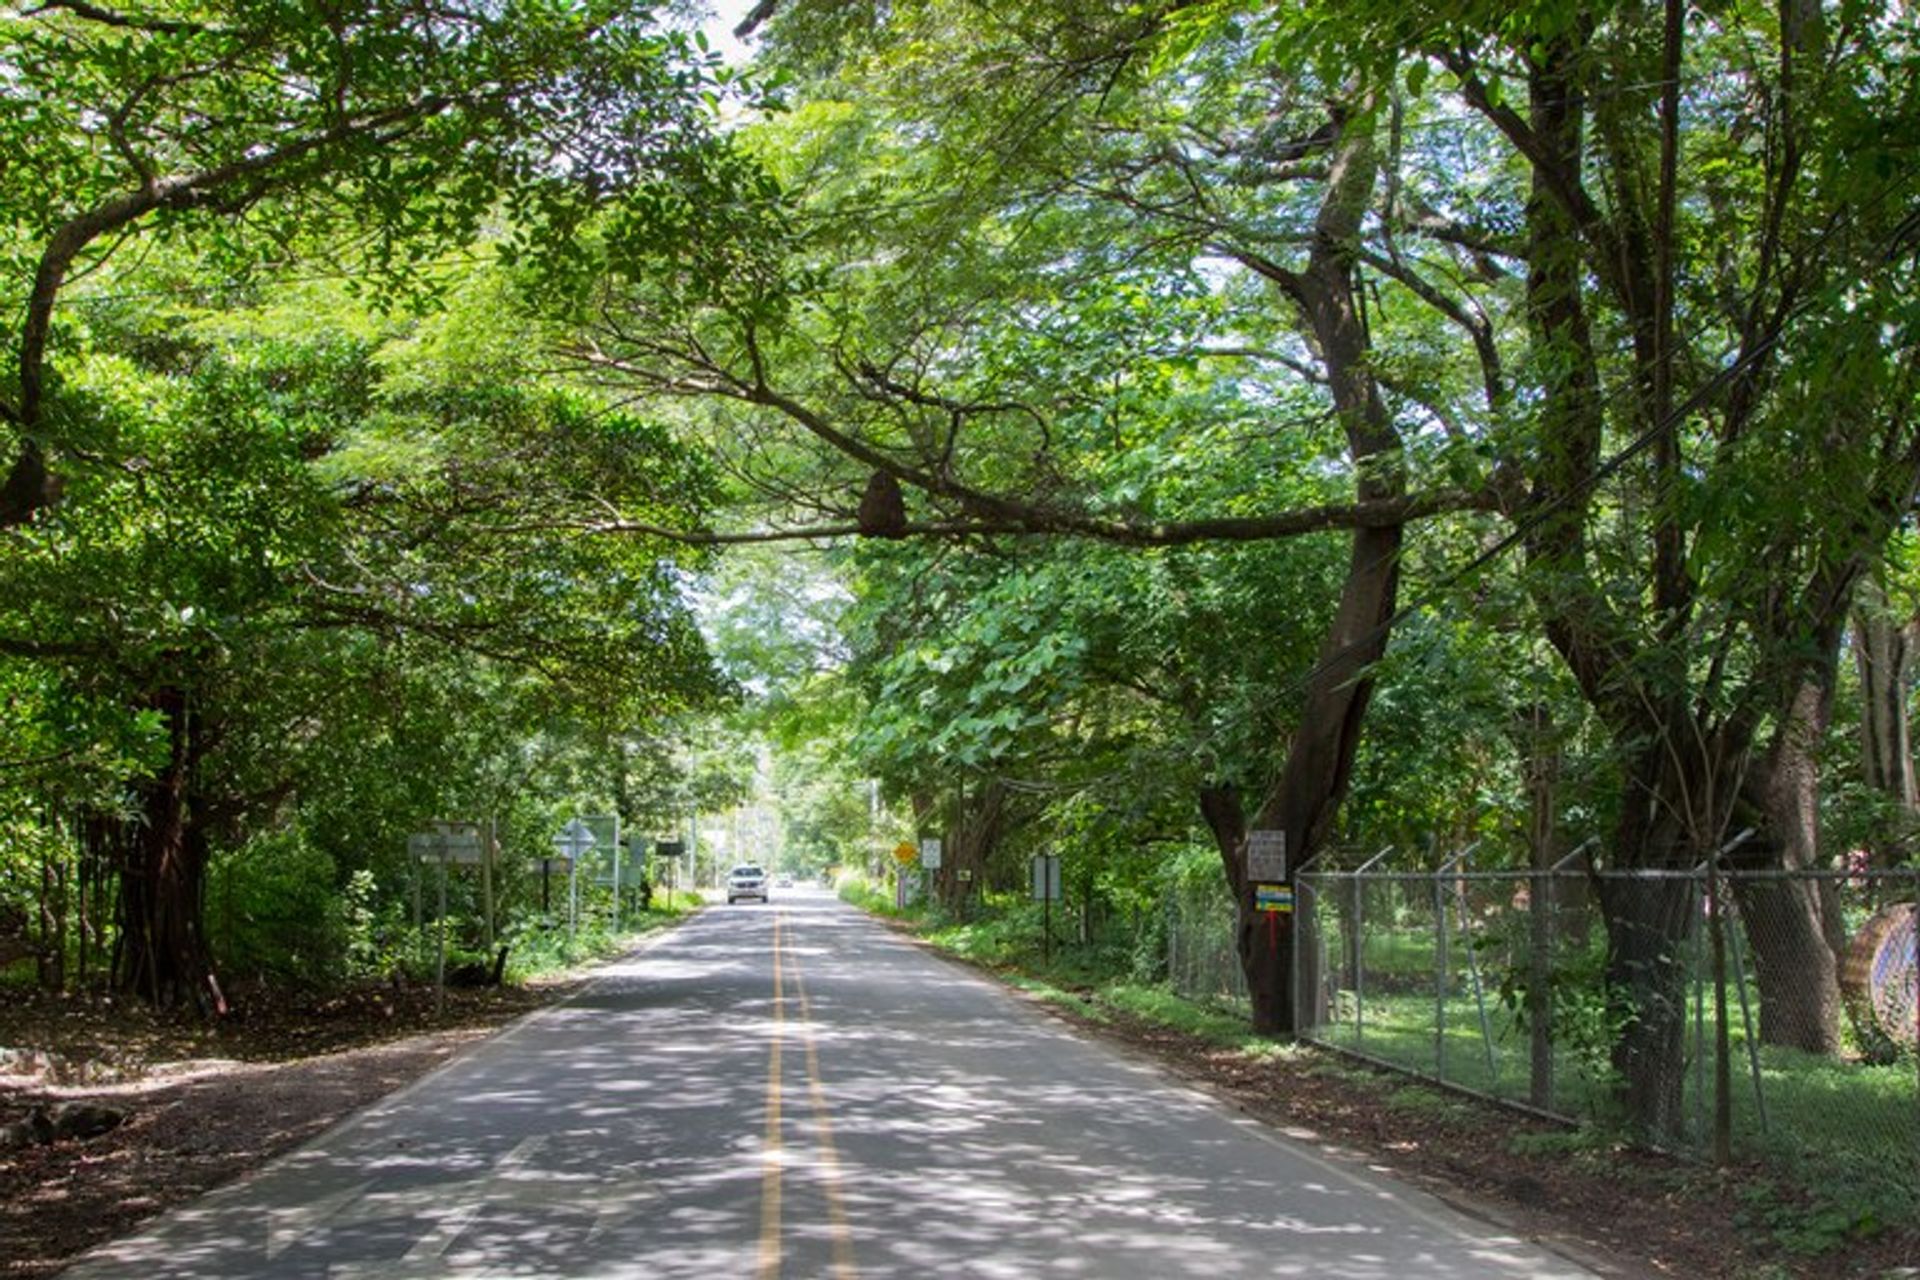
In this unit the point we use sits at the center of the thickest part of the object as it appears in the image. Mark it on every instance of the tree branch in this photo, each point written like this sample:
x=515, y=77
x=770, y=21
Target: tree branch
x=27, y=486
x=113, y=18
x=1025, y=521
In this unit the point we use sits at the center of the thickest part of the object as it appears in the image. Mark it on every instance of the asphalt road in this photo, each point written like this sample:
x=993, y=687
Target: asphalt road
x=792, y=1091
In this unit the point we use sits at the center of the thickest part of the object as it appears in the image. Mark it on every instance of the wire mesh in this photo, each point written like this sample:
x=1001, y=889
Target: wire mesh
x=1201, y=961
x=1756, y=1016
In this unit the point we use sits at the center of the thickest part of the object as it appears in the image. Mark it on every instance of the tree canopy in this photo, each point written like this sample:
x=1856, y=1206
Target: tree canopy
x=1323, y=419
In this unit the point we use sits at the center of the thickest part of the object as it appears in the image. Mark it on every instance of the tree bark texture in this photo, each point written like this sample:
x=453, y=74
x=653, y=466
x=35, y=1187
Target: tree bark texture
x=1319, y=762
x=1541, y=759
x=1883, y=646
x=1793, y=927
x=1647, y=925
x=980, y=818
x=163, y=956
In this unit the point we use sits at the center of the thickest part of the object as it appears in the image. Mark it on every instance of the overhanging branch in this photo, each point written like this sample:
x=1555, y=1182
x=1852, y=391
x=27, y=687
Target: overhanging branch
x=1037, y=521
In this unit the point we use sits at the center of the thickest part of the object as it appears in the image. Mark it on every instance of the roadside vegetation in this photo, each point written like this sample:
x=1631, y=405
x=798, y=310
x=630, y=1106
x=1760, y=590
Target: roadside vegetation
x=1219, y=446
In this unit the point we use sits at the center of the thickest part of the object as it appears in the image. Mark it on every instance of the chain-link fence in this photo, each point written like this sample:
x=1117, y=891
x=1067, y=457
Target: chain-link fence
x=1201, y=961
x=1761, y=1016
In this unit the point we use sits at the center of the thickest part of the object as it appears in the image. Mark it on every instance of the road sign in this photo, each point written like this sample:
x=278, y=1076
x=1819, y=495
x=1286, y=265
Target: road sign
x=1046, y=877
x=904, y=853
x=930, y=853
x=670, y=848
x=1273, y=897
x=448, y=841
x=574, y=840
x=1267, y=856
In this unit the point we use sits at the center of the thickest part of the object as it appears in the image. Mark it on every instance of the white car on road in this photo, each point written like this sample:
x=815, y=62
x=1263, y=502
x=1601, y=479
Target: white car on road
x=746, y=881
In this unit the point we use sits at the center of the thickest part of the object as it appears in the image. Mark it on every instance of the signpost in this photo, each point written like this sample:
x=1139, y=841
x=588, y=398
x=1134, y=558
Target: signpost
x=445, y=842
x=1277, y=898
x=906, y=853
x=1045, y=869
x=671, y=850
x=1267, y=872
x=573, y=842
x=1046, y=877
x=930, y=851
x=1267, y=857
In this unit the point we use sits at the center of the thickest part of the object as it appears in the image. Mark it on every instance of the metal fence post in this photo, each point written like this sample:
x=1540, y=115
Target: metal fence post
x=1544, y=1074
x=1302, y=1011
x=1358, y=944
x=1746, y=1024
x=1473, y=966
x=1722, y=1050
x=1440, y=967
x=1703, y=963
x=1357, y=948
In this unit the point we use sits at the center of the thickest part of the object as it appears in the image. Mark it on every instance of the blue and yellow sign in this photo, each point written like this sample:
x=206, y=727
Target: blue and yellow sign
x=1274, y=898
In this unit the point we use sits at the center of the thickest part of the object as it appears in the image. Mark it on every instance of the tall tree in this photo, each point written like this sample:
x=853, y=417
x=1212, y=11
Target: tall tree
x=398, y=125
x=316, y=491
x=1628, y=272
x=1701, y=271
x=995, y=331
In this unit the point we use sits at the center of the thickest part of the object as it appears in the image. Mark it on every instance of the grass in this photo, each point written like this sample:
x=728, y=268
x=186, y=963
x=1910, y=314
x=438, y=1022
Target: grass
x=869, y=897
x=541, y=952
x=1401, y=1030
x=1844, y=1127
x=1212, y=1023
x=1073, y=1001
x=1844, y=1134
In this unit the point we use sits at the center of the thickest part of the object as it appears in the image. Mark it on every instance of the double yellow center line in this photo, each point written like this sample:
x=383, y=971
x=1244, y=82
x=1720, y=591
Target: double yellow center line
x=773, y=1159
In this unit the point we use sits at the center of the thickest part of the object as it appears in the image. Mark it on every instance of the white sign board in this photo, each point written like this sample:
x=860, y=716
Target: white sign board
x=930, y=853
x=574, y=840
x=449, y=841
x=1267, y=857
x=1046, y=878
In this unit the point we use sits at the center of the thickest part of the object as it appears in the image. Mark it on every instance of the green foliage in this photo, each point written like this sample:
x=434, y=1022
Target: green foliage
x=1803, y=1225
x=854, y=887
x=541, y=948
x=373, y=928
x=350, y=547
x=1224, y=1027
x=275, y=911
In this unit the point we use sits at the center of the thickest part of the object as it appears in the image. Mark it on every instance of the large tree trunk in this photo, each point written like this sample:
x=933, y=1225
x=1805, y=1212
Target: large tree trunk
x=1647, y=924
x=163, y=955
x=1675, y=801
x=1793, y=927
x=1313, y=781
x=1679, y=799
x=1541, y=758
x=979, y=820
x=1883, y=646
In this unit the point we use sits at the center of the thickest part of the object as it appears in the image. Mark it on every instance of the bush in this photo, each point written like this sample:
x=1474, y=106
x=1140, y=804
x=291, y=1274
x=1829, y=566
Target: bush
x=274, y=910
